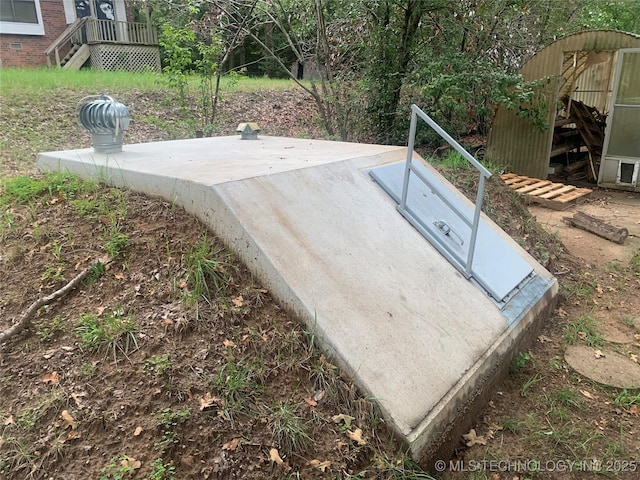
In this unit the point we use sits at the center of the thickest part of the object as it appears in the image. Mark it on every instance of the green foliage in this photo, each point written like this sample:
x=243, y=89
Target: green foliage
x=161, y=470
x=635, y=262
x=46, y=329
x=519, y=362
x=237, y=383
x=169, y=420
x=583, y=329
x=627, y=398
x=111, y=330
x=118, y=468
x=116, y=242
x=22, y=190
x=610, y=14
x=289, y=430
x=157, y=365
x=207, y=266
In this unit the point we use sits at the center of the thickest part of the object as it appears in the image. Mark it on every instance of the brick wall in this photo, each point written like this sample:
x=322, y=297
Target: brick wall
x=28, y=50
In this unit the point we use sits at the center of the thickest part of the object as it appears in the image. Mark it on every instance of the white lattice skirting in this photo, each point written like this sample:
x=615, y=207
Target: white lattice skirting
x=131, y=58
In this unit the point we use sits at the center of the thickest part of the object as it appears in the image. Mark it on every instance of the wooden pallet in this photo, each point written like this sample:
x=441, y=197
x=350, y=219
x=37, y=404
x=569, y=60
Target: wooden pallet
x=557, y=196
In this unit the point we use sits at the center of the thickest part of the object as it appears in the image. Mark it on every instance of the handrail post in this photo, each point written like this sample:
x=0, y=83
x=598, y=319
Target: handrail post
x=484, y=174
x=407, y=169
x=476, y=223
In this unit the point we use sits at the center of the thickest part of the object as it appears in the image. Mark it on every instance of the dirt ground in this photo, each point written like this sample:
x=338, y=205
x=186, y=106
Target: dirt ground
x=618, y=208
x=232, y=386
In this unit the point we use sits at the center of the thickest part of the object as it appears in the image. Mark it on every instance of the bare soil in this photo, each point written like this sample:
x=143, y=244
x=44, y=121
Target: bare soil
x=234, y=387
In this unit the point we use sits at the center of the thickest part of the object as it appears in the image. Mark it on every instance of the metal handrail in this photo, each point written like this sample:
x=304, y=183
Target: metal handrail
x=484, y=174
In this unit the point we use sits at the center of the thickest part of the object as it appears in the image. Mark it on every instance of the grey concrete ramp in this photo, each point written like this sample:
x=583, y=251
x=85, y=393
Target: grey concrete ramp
x=307, y=218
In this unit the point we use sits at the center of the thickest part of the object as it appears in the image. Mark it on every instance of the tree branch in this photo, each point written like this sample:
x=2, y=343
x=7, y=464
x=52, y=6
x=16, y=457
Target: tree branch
x=25, y=320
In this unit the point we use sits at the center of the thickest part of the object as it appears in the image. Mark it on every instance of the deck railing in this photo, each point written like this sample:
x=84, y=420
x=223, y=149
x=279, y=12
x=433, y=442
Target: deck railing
x=129, y=33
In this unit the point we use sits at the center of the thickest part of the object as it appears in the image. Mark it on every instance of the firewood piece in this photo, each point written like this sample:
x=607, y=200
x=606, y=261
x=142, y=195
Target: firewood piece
x=598, y=227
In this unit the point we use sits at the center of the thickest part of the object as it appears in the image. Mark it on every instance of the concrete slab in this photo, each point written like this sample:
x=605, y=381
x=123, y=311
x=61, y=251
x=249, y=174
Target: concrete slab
x=306, y=217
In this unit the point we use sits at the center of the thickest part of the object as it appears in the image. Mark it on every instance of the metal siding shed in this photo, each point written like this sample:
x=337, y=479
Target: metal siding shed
x=513, y=141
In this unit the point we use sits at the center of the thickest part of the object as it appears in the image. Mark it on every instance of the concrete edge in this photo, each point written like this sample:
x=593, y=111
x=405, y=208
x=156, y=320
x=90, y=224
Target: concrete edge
x=449, y=424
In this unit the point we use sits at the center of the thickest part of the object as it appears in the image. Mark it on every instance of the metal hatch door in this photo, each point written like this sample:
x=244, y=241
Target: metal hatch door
x=455, y=229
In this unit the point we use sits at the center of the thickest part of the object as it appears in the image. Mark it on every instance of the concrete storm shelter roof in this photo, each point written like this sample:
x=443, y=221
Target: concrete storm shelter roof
x=307, y=218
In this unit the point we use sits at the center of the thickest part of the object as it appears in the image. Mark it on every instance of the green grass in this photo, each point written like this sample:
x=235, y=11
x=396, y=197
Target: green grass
x=47, y=328
x=238, y=385
x=289, y=430
x=207, y=270
x=157, y=365
x=169, y=420
x=112, y=331
x=583, y=329
x=634, y=264
x=627, y=398
x=43, y=80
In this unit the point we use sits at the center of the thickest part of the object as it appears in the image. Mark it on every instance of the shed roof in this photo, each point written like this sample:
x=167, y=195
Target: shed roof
x=516, y=143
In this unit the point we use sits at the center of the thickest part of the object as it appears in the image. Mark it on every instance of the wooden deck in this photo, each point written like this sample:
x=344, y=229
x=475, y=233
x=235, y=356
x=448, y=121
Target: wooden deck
x=557, y=196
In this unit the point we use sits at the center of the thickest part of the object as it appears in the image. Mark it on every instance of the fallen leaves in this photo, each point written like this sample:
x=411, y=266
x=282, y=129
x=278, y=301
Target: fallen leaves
x=322, y=466
x=238, y=301
x=347, y=419
x=68, y=420
x=208, y=401
x=51, y=378
x=356, y=436
x=472, y=438
x=275, y=457
x=130, y=462
x=233, y=444
x=587, y=394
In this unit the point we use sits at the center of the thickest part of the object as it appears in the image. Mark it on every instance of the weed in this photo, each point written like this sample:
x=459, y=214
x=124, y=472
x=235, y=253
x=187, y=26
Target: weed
x=626, y=398
x=207, y=264
x=87, y=369
x=402, y=468
x=634, y=264
x=581, y=288
x=524, y=390
x=111, y=330
x=519, y=362
x=512, y=425
x=23, y=190
x=116, y=242
x=629, y=321
x=584, y=329
x=237, y=385
x=157, y=365
x=169, y=420
x=46, y=329
x=118, y=468
x=556, y=362
x=568, y=396
x=161, y=470
x=288, y=429
x=28, y=417
x=53, y=272
x=97, y=270
x=15, y=456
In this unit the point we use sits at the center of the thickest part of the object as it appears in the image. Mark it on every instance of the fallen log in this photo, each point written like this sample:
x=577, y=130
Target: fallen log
x=598, y=227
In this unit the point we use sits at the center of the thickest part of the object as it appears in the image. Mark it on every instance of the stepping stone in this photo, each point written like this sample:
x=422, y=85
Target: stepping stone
x=614, y=369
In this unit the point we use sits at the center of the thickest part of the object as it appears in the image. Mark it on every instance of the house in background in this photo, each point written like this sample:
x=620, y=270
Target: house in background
x=72, y=33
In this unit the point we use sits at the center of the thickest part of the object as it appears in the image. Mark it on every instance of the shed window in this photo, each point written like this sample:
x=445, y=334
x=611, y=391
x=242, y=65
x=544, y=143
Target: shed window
x=21, y=17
